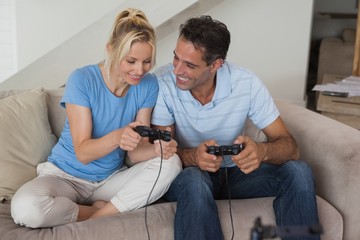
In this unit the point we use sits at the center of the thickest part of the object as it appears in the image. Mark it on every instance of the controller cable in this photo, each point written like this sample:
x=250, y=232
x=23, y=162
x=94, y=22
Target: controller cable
x=152, y=189
x=229, y=196
x=229, y=199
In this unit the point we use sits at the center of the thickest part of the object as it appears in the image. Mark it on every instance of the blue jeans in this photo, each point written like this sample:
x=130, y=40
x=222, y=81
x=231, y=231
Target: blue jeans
x=195, y=191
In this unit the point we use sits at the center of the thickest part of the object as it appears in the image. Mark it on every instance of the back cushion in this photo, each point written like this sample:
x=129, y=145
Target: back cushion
x=56, y=113
x=25, y=139
x=256, y=134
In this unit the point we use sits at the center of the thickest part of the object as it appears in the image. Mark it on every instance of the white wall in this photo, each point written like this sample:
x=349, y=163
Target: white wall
x=43, y=25
x=270, y=38
x=86, y=47
x=8, y=63
x=29, y=29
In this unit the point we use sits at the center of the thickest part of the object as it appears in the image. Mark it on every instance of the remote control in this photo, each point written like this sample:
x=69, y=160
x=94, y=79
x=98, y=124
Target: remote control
x=225, y=149
x=153, y=134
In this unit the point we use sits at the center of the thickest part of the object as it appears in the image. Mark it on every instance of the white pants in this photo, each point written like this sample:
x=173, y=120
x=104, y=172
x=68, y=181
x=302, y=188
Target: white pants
x=52, y=198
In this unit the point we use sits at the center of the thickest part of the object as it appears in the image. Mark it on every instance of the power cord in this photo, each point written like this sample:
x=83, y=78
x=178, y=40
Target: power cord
x=152, y=189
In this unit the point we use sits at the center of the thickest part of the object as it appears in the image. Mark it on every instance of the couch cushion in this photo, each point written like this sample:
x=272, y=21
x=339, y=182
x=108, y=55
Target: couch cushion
x=7, y=93
x=251, y=131
x=56, y=113
x=160, y=219
x=26, y=139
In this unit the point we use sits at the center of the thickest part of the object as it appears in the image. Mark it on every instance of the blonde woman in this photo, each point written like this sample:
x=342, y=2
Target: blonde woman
x=85, y=175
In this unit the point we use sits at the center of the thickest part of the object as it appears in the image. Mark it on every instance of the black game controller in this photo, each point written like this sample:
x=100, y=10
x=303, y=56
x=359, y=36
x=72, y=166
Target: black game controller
x=153, y=134
x=225, y=149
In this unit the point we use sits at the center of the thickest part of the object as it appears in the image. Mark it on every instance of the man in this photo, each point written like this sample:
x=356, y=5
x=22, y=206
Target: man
x=206, y=101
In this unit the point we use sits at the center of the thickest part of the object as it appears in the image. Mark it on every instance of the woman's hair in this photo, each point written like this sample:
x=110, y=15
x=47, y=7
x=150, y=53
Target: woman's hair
x=130, y=26
x=208, y=35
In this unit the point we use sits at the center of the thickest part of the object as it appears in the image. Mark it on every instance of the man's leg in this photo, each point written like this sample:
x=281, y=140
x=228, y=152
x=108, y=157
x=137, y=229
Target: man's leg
x=291, y=183
x=196, y=214
x=295, y=203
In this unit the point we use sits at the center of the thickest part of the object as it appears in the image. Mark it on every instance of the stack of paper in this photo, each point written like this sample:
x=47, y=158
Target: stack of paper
x=350, y=85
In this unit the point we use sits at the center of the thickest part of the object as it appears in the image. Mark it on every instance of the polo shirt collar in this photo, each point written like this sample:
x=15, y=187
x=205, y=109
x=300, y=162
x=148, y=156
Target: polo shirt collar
x=221, y=90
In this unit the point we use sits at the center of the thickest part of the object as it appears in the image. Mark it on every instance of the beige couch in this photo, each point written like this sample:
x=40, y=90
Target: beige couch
x=29, y=121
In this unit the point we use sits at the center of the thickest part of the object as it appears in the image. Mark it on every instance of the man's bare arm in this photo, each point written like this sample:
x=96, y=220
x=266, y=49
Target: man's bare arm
x=281, y=145
x=279, y=148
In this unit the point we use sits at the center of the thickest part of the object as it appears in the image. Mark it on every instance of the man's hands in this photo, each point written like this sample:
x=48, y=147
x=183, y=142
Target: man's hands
x=250, y=158
x=204, y=160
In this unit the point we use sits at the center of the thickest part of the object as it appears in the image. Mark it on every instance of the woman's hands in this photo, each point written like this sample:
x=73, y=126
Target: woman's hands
x=127, y=138
x=139, y=148
x=165, y=149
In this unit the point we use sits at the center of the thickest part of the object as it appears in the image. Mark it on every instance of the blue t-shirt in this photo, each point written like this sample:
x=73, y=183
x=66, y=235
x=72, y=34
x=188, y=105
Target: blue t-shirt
x=86, y=87
x=239, y=95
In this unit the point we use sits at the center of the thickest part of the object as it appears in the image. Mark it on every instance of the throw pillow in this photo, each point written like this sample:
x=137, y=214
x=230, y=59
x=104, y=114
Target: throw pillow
x=25, y=139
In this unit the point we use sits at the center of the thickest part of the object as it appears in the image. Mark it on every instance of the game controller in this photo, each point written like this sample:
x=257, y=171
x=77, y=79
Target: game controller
x=153, y=134
x=225, y=149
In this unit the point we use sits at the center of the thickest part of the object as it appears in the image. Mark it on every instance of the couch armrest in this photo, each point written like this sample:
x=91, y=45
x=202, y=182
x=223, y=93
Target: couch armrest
x=333, y=151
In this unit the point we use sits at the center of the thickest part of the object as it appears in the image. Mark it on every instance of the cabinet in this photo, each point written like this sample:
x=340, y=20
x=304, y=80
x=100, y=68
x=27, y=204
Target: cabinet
x=342, y=109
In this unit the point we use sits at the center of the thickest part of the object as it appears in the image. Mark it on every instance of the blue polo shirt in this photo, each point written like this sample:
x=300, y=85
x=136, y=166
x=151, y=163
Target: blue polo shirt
x=239, y=95
x=86, y=87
